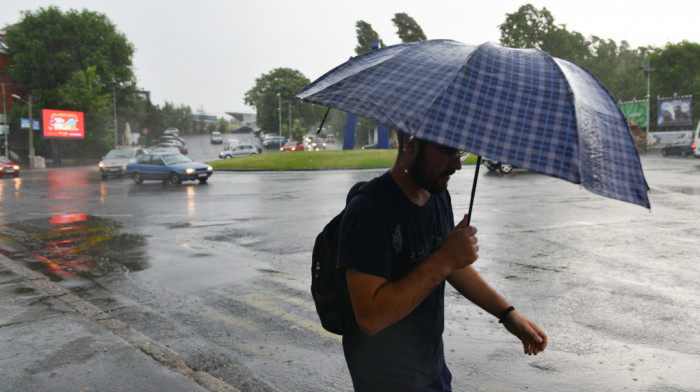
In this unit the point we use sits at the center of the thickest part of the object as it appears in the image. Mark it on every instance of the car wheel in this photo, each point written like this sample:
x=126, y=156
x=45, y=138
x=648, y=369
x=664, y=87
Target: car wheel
x=103, y=175
x=664, y=153
x=685, y=154
x=137, y=178
x=203, y=180
x=227, y=157
x=506, y=167
x=174, y=178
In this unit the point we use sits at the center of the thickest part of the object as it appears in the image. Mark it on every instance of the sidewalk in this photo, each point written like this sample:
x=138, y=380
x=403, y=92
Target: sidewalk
x=52, y=340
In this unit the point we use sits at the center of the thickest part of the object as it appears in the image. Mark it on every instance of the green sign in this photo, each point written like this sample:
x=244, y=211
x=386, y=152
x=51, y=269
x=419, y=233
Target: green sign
x=636, y=111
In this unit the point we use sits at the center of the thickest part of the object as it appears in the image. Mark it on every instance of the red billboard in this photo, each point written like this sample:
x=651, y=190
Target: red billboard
x=62, y=124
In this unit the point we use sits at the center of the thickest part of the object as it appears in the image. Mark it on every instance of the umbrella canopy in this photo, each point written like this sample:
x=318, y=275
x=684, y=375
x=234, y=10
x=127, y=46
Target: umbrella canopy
x=520, y=106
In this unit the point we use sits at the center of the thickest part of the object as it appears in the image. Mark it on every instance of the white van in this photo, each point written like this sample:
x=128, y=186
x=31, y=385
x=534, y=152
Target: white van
x=230, y=144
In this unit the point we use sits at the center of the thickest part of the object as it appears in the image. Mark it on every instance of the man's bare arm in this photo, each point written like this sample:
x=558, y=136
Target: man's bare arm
x=379, y=303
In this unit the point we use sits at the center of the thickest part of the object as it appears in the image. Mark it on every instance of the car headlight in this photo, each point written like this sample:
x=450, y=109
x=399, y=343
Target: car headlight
x=101, y=165
x=209, y=168
x=189, y=171
x=16, y=167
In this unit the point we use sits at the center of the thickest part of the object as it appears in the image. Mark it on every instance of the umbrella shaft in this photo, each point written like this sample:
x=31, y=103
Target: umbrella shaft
x=476, y=177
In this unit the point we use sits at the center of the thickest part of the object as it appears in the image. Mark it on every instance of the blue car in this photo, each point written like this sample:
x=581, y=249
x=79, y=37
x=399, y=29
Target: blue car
x=167, y=166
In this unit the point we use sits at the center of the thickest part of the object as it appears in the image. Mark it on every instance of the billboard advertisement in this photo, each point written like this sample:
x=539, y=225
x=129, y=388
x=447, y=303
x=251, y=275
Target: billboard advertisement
x=635, y=111
x=675, y=111
x=62, y=124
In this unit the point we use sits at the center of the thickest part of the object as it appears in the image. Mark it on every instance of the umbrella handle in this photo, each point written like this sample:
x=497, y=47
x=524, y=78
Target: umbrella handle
x=476, y=177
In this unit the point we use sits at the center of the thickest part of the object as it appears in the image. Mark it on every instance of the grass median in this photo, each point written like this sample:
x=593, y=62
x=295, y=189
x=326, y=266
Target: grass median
x=313, y=160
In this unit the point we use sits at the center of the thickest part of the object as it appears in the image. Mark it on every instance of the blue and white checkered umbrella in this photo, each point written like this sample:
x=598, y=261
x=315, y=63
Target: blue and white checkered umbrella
x=520, y=106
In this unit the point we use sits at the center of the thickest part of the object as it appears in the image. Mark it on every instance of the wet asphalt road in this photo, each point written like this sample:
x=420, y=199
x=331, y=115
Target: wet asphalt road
x=220, y=272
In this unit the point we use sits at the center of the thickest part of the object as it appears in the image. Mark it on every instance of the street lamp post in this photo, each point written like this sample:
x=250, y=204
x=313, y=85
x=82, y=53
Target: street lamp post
x=31, y=123
x=647, y=70
x=114, y=106
x=279, y=105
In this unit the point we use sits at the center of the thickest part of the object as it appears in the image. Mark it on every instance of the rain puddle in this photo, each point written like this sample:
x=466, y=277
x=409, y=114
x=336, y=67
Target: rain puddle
x=65, y=246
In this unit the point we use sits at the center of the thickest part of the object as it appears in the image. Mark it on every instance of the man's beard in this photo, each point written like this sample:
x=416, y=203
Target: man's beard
x=422, y=178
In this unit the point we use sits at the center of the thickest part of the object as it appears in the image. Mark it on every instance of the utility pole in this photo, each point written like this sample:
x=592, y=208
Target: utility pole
x=647, y=70
x=279, y=105
x=114, y=106
x=290, y=119
x=31, y=127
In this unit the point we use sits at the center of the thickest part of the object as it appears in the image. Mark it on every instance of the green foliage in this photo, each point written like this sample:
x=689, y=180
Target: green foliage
x=365, y=36
x=179, y=117
x=270, y=106
x=46, y=47
x=407, y=28
x=527, y=28
x=223, y=126
x=73, y=61
x=84, y=93
x=674, y=70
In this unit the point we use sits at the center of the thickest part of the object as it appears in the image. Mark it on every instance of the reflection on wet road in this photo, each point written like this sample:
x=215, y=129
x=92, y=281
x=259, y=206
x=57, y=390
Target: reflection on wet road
x=78, y=244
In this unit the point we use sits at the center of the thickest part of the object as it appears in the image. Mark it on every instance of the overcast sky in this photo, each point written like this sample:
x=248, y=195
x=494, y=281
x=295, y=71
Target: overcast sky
x=207, y=53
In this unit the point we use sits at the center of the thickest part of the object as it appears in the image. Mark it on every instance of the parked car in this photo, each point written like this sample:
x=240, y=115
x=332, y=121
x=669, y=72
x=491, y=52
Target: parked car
x=171, y=137
x=240, y=150
x=172, y=131
x=293, y=146
x=173, y=143
x=114, y=163
x=216, y=138
x=493, y=165
x=8, y=168
x=318, y=144
x=167, y=166
x=166, y=138
x=172, y=149
x=683, y=147
x=275, y=142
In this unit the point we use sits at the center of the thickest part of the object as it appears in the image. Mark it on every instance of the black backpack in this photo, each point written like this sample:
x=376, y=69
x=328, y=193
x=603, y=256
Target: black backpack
x=328, y=285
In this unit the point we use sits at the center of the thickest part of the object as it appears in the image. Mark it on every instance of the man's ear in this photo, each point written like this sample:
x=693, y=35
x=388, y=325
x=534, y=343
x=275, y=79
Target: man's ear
x=410, y=144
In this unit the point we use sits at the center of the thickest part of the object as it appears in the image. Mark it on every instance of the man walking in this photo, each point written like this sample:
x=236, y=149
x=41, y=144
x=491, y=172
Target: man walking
x=399, y=245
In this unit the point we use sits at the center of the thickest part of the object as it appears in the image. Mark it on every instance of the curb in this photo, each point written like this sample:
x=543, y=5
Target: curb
x=157, y=351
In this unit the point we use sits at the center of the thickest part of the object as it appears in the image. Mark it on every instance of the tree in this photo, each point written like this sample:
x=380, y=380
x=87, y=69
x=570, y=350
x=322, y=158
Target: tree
x=527, y=27
x=675, y=71
x=83, y=93
x=59, y=55
x=46, y=47
x=269, y=106
x=365, y=37
x=407, y=28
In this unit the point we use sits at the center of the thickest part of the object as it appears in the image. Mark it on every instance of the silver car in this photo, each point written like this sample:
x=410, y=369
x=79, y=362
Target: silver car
x=114, y=163
x=240, y=150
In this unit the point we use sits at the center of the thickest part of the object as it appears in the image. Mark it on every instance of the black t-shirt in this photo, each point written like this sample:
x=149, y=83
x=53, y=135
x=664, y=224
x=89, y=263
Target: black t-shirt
x=383, y=233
